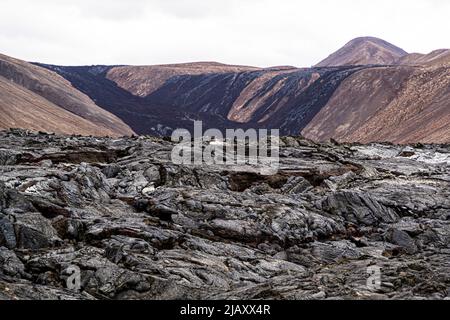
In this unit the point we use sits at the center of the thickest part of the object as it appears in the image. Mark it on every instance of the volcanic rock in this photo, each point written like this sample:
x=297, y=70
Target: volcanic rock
x=310, y=231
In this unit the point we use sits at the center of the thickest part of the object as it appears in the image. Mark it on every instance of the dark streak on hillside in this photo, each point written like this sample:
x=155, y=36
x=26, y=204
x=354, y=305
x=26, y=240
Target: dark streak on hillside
x=293, y=98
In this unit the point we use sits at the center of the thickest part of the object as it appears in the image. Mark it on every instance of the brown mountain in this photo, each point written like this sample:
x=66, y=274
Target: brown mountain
x=364, y=51
x=436, y=58
x=229, y=97
x=388, y=96
x=35, y=98
x=143, y=80
x=401, y=104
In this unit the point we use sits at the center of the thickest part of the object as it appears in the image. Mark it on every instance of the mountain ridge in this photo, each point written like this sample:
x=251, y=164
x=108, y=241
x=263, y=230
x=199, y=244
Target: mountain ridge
x=27, y=87
x=364, y=51
x=351, y=103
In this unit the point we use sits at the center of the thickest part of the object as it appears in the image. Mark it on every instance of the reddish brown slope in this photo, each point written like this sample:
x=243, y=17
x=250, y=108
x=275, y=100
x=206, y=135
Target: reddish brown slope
x=21, y=108
x=221, y=96
x=144, y=80
x=403, y=99
x=32, y=97
x=249, y=102
x=396, y=104
x=364, y=51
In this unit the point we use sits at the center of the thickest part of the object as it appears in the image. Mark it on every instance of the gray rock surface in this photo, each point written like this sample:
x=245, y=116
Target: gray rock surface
x=137, y=226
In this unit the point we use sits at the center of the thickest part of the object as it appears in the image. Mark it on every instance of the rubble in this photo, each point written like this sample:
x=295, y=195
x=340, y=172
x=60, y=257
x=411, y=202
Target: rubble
x=138, y=226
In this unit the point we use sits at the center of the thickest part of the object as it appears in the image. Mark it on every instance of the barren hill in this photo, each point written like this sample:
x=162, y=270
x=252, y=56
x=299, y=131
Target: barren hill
x=377, y=92
x=144, y=80
x=364, y=51
x=32, y=97
x=436, y=58
x=395, y=104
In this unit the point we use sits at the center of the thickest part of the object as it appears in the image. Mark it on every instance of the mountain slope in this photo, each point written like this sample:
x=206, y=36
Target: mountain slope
x=40, y=99
x=436, y=58
x=144, y=80
x=22, y=108
x=364, y=51
x=405, y=99
x=284, y=97
x=395, y=104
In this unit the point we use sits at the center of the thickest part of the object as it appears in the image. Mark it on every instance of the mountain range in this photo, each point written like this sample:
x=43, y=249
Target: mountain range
x=367, y=91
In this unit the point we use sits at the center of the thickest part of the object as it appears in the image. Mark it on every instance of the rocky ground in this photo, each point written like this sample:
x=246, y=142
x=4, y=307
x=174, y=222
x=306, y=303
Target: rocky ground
x=139, y=227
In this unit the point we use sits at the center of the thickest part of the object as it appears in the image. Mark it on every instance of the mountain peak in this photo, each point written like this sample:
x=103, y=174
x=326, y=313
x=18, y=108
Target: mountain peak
x=364, y=51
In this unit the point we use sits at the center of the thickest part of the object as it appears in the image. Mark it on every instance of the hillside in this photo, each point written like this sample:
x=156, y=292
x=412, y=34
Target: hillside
x=403, y=104
x=388, y=95
x=364, y=51
x=144, y=80
x=32, y=97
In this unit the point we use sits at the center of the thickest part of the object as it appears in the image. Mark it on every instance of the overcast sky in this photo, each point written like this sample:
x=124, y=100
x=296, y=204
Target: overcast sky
x=248, y=32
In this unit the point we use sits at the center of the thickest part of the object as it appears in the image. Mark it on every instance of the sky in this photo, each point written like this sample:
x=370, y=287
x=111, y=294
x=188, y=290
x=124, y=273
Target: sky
x=245, y=32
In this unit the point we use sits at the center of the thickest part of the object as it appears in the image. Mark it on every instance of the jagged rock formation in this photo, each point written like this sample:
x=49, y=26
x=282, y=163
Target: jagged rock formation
x=35, y=98
x=140, y=227
x=285, y=98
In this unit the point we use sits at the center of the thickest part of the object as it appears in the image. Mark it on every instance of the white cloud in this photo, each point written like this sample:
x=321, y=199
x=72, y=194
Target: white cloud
x=251, y=32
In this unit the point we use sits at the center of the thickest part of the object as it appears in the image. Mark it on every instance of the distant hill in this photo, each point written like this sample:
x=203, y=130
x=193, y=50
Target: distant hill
x=35, y=98
x=367, y=91
x=364, y=51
